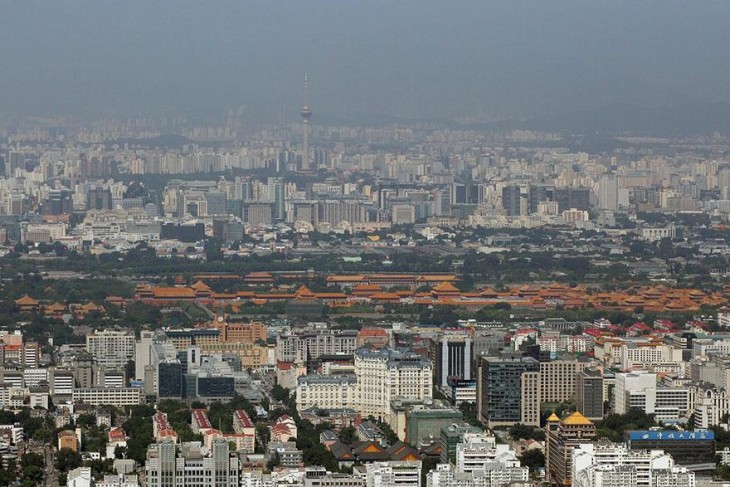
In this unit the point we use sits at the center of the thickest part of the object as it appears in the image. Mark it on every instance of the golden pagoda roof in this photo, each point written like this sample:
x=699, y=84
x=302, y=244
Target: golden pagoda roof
x=577, y=419
x=553, y=417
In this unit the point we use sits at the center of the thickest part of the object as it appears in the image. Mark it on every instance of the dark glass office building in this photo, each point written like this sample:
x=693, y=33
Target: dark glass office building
x=589, y=393
x=215, y=388
x=500, y=387
x=569, y=198
x=170, y=380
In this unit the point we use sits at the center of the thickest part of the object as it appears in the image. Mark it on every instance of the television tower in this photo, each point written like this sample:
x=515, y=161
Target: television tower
x=306, y=113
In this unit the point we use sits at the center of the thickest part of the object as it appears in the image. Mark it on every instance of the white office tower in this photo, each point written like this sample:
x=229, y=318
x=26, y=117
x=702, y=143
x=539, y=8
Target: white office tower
x=111, y=348
x=639, y=390
x=142, y=353
x=608, y=192
x=606, y=464
x=634, y=390
x=393, y=474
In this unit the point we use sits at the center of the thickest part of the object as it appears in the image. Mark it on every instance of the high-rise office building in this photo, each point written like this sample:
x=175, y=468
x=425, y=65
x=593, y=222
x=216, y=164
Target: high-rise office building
x=14, y=163
x=31, y=355
x=99, y=198
x=83, y=369
x=277, y=196
x=111, y=348
x=58, y=202
x=385, y=374
x=453, y=356
x=143, y=353
x=538, y=194
x=170, y=379
x=217, y=203
x=608, y=198
x=467, y=193
x=258, y=214
x=403, y=214
x=557, y=380
x=589, y=393
x=572, y=198
x=511, y=196
x=164, y=376
x=503, y=386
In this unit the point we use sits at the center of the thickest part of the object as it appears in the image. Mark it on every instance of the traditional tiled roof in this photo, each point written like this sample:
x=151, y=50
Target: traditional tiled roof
x=445, y=287
x=200, y=286
x=577, y=419
x=403, y=452
x=173, y=293
x=55, y=308
x=385, y=297
x=258, y=275
x=26, y=301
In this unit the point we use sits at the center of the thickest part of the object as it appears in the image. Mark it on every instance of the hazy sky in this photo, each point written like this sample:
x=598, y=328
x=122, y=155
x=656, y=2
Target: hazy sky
x=409, y=58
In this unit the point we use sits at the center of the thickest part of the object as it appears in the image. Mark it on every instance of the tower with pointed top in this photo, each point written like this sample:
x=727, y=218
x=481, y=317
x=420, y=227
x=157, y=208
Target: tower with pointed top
x=306, y=113
x=563, y=436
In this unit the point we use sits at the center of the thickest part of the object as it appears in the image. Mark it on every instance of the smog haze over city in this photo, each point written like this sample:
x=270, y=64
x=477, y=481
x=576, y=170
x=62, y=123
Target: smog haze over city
x=478, y=61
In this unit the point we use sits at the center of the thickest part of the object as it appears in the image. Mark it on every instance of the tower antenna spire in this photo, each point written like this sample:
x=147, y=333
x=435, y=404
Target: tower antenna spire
x=306, y=113
x=306, y=88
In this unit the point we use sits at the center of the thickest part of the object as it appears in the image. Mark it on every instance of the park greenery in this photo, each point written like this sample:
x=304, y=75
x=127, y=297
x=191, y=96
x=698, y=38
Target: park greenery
x=614, y=426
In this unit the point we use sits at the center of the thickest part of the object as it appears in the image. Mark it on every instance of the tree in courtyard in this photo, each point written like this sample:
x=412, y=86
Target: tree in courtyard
x=534, y=459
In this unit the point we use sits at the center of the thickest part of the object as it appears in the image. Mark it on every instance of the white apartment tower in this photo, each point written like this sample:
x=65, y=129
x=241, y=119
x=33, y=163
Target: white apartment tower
x=111, y=348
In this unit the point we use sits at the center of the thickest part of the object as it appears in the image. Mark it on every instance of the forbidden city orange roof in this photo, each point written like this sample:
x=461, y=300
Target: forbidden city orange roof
x=445, y=287
x=173, y=293
x=656, y=298
x=200, y=286
x=26, y=301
